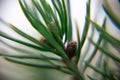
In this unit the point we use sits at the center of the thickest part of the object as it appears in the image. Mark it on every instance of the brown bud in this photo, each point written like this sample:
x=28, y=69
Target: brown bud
x=52, y=27
x=45, y=41
x=70, y=49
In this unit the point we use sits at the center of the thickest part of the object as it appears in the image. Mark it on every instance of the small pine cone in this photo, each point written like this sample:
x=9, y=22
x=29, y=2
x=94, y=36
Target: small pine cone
x=70, y=49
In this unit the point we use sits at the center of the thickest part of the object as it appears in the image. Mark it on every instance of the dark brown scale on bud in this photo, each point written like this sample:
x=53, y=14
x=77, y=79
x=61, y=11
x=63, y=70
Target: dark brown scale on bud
x=70, y=49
